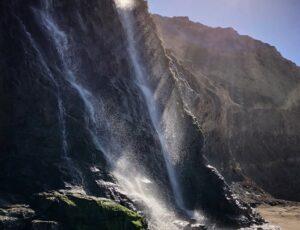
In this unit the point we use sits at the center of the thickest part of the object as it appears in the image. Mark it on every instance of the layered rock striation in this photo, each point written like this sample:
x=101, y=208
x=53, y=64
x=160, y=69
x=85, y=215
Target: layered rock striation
x=246, y=98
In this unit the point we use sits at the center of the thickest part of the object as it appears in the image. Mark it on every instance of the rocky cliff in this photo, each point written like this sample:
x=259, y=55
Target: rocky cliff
x=93, y=125
x=246, y=98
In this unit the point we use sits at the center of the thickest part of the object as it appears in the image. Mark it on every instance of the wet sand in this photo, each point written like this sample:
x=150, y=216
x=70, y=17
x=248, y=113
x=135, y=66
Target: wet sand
x=286, y=216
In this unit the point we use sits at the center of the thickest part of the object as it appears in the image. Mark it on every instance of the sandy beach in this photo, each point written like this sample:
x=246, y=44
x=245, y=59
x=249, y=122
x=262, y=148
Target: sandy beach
x=285, y=216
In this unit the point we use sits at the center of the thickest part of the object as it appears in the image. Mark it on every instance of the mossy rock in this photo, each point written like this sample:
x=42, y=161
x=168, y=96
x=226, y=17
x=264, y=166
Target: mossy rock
x=82, y=212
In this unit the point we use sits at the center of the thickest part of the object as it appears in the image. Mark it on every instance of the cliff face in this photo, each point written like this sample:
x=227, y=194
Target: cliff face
x=90, y=108
x=246, y=98
x=43, y=123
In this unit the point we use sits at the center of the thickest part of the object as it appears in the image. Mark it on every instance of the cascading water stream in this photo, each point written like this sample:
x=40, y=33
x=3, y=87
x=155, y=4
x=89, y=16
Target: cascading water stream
x=125, y=13
x=49, y=75
x=60, y=104
x=62, y=46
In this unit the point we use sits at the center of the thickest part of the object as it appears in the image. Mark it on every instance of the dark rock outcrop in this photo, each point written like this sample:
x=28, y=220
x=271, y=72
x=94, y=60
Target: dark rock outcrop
x=246, y=98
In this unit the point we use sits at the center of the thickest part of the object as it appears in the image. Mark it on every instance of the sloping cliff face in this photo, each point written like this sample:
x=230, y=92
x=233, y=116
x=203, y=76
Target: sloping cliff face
x=246, y=97
x=89, y=109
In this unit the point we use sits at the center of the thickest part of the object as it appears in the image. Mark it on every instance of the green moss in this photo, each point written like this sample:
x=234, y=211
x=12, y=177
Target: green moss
x=58, y=196
x=138, y=224
x=81, y=212
x=68, y=201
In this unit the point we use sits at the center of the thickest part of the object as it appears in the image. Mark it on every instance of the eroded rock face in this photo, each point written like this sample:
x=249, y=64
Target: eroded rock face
x=246, y=98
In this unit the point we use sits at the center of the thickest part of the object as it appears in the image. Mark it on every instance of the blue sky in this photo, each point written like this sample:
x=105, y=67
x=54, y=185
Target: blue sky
x=276, y=22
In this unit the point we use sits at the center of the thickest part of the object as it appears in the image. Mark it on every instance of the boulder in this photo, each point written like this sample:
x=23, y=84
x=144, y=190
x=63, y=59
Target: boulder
x=78, y=211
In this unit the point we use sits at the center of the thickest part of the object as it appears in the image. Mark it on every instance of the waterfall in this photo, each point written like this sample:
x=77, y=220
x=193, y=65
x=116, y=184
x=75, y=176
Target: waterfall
x=125, y=13
x=133, y=179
